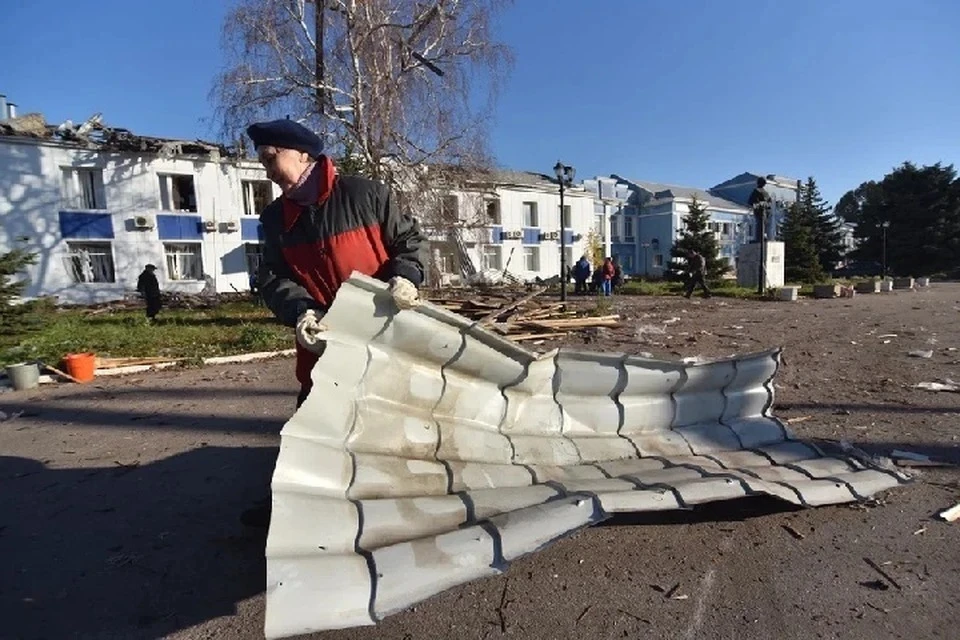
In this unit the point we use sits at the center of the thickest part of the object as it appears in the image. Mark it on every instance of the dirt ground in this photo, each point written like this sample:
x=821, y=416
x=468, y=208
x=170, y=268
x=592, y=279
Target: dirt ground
x=119, y=501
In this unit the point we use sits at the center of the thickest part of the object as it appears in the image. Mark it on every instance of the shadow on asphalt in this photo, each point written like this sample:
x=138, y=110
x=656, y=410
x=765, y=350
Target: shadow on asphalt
x=129, y=552
x=89, y=407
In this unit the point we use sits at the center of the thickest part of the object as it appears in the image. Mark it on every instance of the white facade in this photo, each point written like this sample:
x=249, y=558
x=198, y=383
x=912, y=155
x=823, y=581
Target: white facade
x=516, y=228
x=95, y=218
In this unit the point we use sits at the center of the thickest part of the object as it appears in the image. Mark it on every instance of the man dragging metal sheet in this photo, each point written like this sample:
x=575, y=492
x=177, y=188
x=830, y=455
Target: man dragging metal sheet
x=323, y=228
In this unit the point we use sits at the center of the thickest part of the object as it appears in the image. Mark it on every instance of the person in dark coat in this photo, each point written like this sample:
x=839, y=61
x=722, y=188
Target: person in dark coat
x=581, y=273
x=617, y=275
x=322, y=228
x=149, y=289
x=696, y=268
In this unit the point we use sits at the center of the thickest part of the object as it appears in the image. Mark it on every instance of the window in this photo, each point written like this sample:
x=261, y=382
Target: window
x=184, y=261
x=627, y=263
x=568, y=257
x=177, y=193
x=90, y=262
x=615, y=228
x=493, y=212
x=658, y=259
x=530, y=217
x=598, y=207
x=628, y=227
x=83, y=188
x=492, y=258
x=566, y=216
x=727, y=228
x=531, y=258
x=257, y=194
x=254, y=255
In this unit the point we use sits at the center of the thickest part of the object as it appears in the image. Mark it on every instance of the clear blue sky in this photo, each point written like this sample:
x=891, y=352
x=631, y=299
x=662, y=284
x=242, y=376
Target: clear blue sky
x=683, y=91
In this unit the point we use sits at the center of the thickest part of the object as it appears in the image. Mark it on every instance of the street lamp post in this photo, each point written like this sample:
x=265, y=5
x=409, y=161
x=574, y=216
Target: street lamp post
x=885, y=225
x=646, y=268
x=565, y=176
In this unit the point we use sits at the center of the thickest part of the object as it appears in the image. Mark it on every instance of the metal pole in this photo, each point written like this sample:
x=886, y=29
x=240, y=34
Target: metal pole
x=884, y=251
x=761, y=276
x=563, y=251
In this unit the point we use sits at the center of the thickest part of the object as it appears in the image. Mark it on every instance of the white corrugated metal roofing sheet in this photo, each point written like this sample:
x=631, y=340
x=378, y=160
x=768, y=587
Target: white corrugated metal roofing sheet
x=432, y=452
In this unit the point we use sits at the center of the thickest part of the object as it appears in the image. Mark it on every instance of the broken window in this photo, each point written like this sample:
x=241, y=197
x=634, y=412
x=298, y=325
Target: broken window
x=90, y=262
x=177, y=193
x=449, y=209
x=83, y=188
x=184, y=261
x=257, y=194
x=493, y=212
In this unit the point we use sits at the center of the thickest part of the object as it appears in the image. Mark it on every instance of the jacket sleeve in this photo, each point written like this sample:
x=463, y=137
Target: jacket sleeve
x=282, y=294
x=405, y=244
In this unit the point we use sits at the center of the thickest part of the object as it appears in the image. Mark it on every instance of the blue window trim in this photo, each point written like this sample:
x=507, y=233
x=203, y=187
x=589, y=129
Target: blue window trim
x=83, y=225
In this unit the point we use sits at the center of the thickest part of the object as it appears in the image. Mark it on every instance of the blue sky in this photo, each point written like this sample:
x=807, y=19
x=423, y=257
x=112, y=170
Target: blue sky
x=686, y=92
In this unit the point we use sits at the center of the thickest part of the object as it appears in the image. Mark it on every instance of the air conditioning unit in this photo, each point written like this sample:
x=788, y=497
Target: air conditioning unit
x=209, y=225
x=142, y=222
x=553, y=235
x=577, y=237
x=230, y=226
x=513, y=235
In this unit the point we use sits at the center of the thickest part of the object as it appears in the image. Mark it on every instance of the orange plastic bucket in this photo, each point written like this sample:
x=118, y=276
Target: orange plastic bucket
x=81, y=365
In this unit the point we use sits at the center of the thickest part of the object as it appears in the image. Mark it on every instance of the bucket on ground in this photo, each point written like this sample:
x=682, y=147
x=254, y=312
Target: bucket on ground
x=81, y=365
x=25, y=375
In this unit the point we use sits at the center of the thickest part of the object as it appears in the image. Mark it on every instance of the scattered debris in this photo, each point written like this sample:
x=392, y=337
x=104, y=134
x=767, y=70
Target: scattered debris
x=798, y=419
x=887, y=335
x=582, y=614
x=873, y=565
x=920, y=353
x=948, y=385
x=951, y=514
x=913, y=459
x=919, y=531
x=796, y=534
x=8, y=417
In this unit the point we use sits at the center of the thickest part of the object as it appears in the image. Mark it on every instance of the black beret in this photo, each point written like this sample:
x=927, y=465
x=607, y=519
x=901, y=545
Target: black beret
x=285, y=134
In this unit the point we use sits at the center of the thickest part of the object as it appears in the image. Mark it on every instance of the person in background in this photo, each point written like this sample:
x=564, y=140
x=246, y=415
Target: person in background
x=696, y=269
x=617, y=275
x=149, y=288
x=581, y=273
x=608, y=273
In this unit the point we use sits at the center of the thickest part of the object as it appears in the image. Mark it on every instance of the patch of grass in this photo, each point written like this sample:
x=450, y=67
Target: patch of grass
x=227, y=330
x=725, y=289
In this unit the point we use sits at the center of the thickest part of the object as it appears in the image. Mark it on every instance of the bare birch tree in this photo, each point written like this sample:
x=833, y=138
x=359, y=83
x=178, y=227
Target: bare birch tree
x=396, y=83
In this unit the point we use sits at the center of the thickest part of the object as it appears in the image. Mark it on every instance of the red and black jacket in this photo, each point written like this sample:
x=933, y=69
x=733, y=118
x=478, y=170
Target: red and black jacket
x=308, y=252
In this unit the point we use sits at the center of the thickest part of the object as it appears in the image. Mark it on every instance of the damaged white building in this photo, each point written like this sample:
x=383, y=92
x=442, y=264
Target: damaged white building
x=97, y=203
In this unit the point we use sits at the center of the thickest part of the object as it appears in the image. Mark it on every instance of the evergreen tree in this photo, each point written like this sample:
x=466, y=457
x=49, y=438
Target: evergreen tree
x=798, y=235
x=15, y=316
x=697, y=236
x=826, y=234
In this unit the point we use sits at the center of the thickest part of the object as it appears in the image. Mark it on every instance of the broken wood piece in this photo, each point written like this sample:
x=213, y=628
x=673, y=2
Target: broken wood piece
x=798, y=419
x=62, y=374
x=493, y=315
x=796, y=534
x=115, y=363
x=951, y=514
x=537, y=336
x=873, y=565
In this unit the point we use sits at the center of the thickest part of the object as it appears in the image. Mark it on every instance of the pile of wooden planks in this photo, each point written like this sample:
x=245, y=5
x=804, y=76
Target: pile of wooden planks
x=522, y=318
x=115, y=363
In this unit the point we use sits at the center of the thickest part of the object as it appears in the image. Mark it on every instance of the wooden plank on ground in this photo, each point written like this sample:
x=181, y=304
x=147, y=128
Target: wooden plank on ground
x=493, y=315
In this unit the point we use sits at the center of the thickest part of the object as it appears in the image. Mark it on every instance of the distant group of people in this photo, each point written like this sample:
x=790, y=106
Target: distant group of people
x=606, y=278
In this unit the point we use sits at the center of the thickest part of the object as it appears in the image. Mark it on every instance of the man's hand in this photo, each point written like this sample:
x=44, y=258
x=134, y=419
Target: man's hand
x=404, y=292
x=309, y=330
